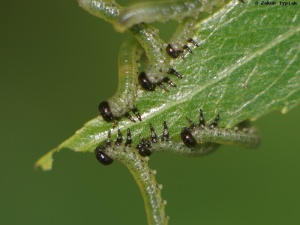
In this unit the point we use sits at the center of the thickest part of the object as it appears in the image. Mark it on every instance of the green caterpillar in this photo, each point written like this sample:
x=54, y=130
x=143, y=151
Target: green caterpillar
x=201, y=134
x=124, y=100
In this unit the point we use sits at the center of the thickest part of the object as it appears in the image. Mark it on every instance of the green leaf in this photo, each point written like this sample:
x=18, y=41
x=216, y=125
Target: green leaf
x=246, y=65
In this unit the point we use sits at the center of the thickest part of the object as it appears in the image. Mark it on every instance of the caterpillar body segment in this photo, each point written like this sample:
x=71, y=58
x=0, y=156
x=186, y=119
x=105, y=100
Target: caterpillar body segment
x=162, y=11
x=107, y=10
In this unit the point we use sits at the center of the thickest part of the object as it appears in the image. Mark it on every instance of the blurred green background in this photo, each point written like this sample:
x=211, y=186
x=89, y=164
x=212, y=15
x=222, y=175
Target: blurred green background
x=56, y=64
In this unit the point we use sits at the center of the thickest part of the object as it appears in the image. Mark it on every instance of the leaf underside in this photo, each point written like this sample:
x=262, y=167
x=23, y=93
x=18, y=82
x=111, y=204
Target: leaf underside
x=246, y=65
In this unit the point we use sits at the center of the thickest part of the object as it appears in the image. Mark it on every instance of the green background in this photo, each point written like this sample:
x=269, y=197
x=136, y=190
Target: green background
x=56, y=64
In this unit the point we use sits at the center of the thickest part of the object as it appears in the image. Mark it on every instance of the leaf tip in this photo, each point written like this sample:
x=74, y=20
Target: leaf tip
x=45, y=162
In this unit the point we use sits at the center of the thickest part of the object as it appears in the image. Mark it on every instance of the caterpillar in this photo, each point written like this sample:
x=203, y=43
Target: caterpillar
x=143, y=175
x=124, y=100
x=162, y=11
x=200, y=134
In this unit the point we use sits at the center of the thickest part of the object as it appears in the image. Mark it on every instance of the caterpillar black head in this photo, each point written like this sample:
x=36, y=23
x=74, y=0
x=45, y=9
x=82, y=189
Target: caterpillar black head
x=187, y=138
x=102, y=157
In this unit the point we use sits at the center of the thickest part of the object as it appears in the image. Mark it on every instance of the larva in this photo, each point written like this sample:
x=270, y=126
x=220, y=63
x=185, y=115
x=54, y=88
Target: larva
x=124, y=99
x=162, y=11
x=143, y=175
x=200, y=134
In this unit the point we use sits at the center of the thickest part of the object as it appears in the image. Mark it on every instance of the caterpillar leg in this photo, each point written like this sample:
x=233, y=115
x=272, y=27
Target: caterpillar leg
x=200, y=134
x=124, y=100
